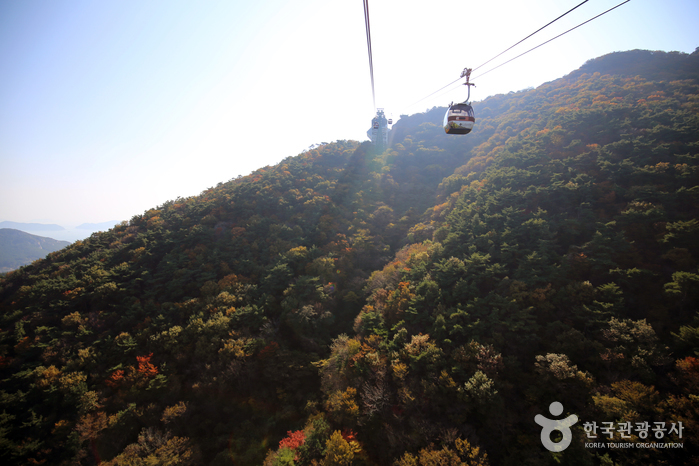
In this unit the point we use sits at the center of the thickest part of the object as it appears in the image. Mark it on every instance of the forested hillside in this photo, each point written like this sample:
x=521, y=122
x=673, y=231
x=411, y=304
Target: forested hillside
x=416, y=307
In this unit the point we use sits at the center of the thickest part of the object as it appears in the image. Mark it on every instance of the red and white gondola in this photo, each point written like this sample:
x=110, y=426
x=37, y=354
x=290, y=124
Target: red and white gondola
x=459, y=119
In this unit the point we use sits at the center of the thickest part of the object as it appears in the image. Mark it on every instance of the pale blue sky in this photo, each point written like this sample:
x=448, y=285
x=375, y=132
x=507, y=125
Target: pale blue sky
x=109, y=108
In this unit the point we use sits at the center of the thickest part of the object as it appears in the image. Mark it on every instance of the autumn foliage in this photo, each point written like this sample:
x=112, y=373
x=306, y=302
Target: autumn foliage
x=293, y=440
x=145, y=367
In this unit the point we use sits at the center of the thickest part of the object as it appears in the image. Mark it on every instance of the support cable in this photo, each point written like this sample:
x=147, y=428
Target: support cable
x=559, y=35
x=368, y=42
x=530, y=35
x=542, y=27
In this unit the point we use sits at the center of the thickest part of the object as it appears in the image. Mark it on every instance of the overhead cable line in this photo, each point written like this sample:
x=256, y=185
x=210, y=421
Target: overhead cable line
x=496, y=56
x=530, y=35
x=427, y=96
x=542, y=27
x=559, y=35
x=368, y=43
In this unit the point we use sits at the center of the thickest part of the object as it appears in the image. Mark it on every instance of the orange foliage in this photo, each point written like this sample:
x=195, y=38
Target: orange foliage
x=145, y=367
x=72, y=294
x=293, y=440
x=228, y=281
x=154, y=222
x=688, y=371
x=115, y=379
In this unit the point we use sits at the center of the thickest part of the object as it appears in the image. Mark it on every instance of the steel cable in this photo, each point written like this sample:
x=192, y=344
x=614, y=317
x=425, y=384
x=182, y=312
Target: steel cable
x=368, y=42
x=542, y=27
x=559, y=35
x=530, y=35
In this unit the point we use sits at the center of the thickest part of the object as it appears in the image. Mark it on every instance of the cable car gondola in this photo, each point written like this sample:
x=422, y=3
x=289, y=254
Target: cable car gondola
x=460, y=118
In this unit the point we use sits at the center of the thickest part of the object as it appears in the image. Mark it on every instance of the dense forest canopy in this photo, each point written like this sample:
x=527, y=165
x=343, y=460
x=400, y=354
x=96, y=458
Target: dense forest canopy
x=414, y=307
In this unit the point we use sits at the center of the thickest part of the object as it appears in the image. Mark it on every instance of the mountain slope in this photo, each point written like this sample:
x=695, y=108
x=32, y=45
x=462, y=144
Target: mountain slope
x=564, y=271
x=18, y=248
x=417, y=306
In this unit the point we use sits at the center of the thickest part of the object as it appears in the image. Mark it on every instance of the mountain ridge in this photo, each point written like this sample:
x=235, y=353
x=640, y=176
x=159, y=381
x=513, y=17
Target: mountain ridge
x=651, y=65
x=31, y=226
x=18, y=248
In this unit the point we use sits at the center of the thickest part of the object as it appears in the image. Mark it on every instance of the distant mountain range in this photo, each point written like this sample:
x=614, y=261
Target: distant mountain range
x=102, y=226
x=31, y=226
x=18, y=248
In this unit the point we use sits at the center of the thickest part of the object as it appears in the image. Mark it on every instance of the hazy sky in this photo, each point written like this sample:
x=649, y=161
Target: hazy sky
x=111, y=107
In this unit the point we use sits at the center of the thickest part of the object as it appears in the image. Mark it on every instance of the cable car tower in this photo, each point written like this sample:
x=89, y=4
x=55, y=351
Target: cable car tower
x=378, y=133
x=379, y=130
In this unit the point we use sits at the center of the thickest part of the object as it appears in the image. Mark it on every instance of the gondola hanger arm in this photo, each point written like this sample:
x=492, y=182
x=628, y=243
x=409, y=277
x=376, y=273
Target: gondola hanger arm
x=466, y=73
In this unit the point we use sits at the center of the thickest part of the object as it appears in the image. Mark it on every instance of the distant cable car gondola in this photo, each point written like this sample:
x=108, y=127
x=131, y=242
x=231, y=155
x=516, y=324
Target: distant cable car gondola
x=460, y=118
